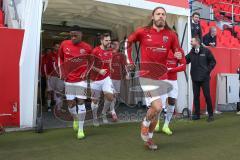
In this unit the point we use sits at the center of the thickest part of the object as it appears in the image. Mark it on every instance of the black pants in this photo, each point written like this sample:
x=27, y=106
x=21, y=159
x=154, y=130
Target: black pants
x=206, y=91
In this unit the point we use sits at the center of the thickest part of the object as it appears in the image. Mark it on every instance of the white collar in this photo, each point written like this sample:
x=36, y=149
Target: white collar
x=194, y=22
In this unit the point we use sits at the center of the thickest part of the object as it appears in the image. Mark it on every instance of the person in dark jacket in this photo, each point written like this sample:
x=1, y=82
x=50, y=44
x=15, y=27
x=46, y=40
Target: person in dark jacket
x=195, y=26
x=202, y=63
x=210, y=39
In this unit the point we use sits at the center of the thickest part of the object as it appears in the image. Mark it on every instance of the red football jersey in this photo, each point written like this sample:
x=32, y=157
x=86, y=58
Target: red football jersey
x=175, y=65
x=74, y=60
x=50, y=64
x=102, y=60
x=118, y=65
x=154, y=46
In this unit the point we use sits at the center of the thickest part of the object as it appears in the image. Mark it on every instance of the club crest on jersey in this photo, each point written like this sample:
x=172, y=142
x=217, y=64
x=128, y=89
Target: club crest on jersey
x=165, y=39
x=68, y=51
x=82, y=51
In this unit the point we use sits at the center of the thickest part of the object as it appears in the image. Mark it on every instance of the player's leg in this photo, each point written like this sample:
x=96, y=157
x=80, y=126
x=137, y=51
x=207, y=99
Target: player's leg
x=73, y=91
x=116, y=85
x=95, y=95
x=108, y=91
x=72, y=108
x=149, y=123
x=49, y=94
x=164, y=111
x=155, y=92
x=171, y=101
x=108, y=98
x=94, y=107
x=49, y=101
x=59, y=92
x=81, y=117
x=169, y=114
x=112, y=108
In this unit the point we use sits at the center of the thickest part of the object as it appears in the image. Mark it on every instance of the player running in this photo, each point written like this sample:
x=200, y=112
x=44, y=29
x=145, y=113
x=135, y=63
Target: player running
x=51, y=74
x=118, y=73
x=174, y=66
x=54, y=81
x=100, y=78
x=74, y=56
x=156, y=40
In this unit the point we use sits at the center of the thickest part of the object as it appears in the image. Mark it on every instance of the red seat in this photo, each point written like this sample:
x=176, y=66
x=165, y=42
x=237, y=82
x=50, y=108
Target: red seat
x=212, y=23
x=203, y=23
x=237, y=18
x=227, y=33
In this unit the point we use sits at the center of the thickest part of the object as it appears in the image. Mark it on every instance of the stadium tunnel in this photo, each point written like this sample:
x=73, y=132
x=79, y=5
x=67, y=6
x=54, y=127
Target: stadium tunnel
x=53, y=18
x=118, y=17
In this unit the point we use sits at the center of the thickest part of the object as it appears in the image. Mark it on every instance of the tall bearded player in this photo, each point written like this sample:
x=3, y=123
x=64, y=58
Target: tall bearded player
x=100, y=78
x=174, y=66
x=74, y=56
x=156, y=40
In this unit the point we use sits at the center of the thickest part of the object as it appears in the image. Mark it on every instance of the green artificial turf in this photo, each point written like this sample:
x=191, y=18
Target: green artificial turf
x=219, y=140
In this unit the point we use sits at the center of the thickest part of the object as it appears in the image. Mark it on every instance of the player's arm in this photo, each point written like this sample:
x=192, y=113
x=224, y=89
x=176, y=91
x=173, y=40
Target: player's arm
x=90, y=61
x=181, y=67
x=134, y=37
x=45, y=66
x=55, y=64
x=94, y=68
x=60, y=61
x=176, y=47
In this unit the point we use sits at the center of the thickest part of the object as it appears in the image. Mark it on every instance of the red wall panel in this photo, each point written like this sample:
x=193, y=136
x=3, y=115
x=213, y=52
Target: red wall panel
x=10, y=50
x=227, y=62
x=235, y=60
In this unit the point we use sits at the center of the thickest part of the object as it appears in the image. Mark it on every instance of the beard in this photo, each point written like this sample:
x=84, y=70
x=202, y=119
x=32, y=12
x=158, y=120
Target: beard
x=76, y=41
x=159, y=23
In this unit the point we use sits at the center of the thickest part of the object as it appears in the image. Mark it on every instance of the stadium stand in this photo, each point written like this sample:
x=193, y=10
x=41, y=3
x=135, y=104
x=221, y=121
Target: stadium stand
x=229, y=36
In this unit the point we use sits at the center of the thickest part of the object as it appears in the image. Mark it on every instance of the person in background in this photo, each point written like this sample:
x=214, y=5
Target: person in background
x=202, y=63
x=48, y=70
x=210, y=39
x=195, y=26
x=118, y=73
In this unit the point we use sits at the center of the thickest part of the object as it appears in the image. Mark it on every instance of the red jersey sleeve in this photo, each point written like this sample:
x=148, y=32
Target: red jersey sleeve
x=134, y=37
x=124, y=63
x=89, y=51
x=181, y=64
x=60, y=58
